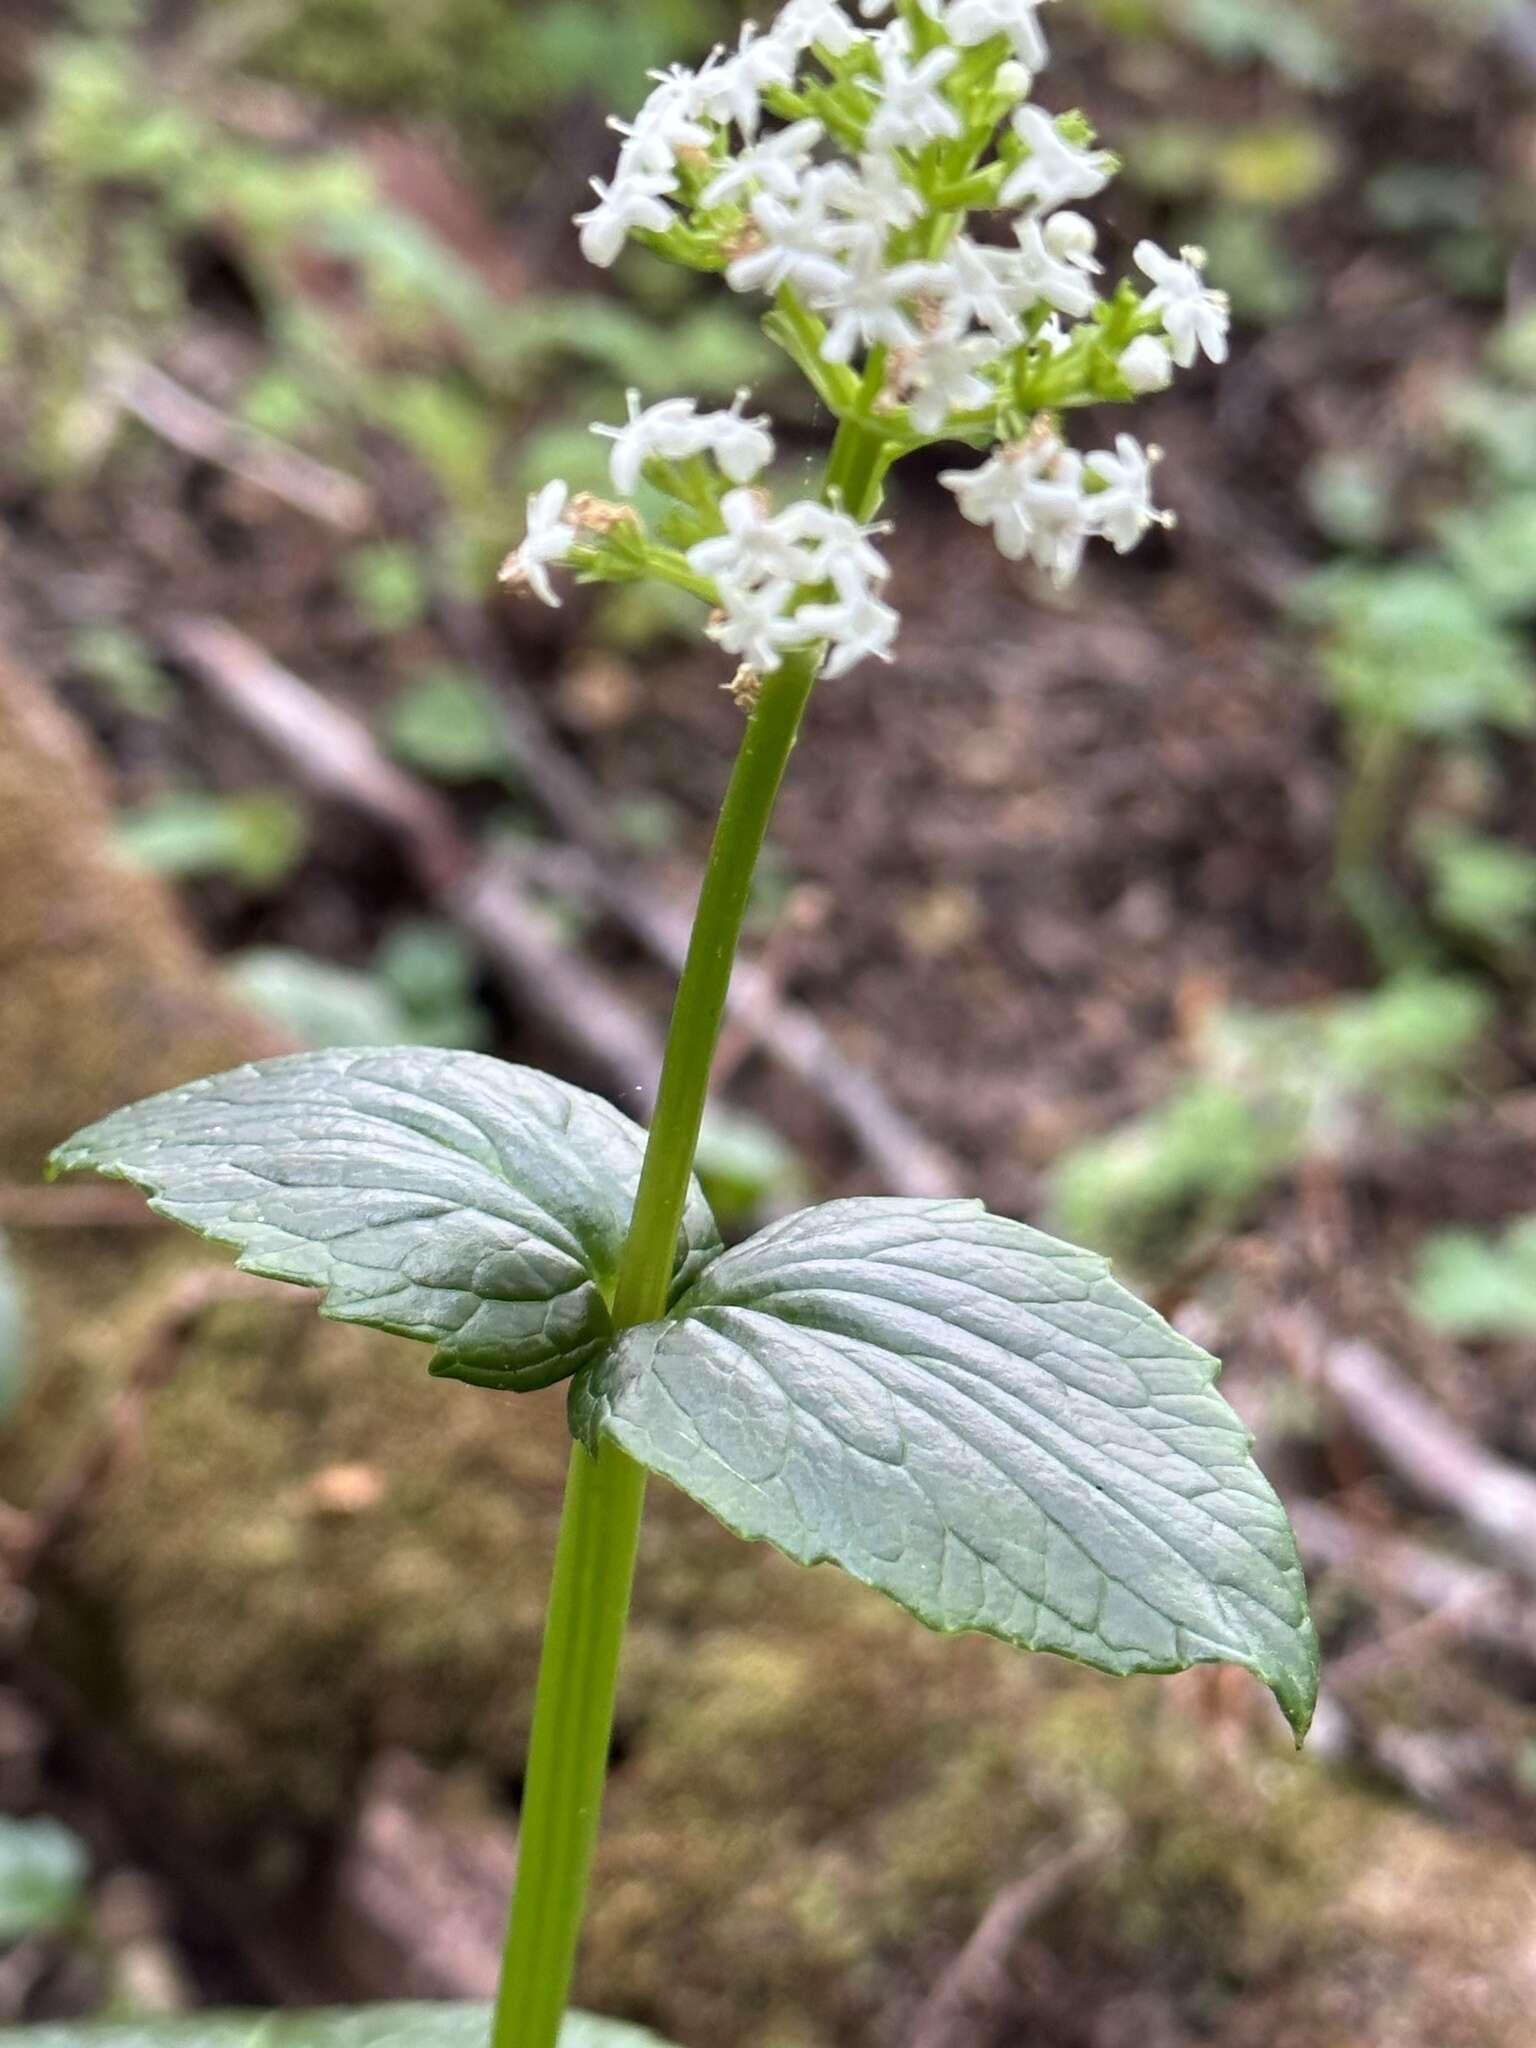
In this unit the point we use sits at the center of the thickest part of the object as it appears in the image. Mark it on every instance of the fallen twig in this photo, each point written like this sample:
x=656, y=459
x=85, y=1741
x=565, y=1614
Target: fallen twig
x=335, y=757
x=1482, y=1605
x=1421, y=1445
x=199, y=429
x=975, y=1995
x=73, y=1208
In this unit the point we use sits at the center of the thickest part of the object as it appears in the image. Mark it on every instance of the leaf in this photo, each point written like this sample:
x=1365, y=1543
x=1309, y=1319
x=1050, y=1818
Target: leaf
x=42, y=1877
x=256, y=838
x=375, y=2026
x=975, y=1419
x=1475, y=1286
x=441, y=1195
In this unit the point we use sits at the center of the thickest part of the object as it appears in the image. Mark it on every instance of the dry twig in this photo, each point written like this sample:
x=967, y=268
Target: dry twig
x=200, y=430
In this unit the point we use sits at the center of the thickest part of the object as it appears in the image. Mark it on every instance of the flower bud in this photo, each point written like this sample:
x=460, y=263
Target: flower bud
x=1071, y=236
x=1147, y=365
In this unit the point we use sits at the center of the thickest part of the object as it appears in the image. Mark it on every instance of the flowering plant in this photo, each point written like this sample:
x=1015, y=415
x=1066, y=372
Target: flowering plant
x=965, y=1414
x=840, y=169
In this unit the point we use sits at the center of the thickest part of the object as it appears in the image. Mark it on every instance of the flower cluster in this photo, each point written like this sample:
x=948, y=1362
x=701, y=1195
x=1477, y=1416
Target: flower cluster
x=881, y=173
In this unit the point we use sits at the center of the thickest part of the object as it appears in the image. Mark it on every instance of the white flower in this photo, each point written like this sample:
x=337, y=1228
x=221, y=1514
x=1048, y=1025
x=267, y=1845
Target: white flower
x=805, y=24
x=1031, y=495
x=873, y=201
x=1073, y=238
x=1046, y=279
x=1194, y=317
x=549, y=538
x=941, y=373
x=669, y=431
x=775, y=165
x=1146, y=365
x=1123, y=510
x=742, y=447
x=667, y=124
x=977, y=21
x=837, y=547
x=859, y=625
x=982, y=284
x=755, y=547
x=732, y=90
x=633, y=200
x=797, y=244
x=865, y=303
x=912, y=109
x=754, y=624
x=1056, y=170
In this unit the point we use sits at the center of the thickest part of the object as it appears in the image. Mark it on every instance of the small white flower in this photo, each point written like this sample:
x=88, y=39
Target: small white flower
x=668, y=123
x=669, y=431
x=1147, y=365
x=860, y=626
x=976, y=21
x=836, y=547
x=807, y=24
x=1123, y=510
x=754, y=625
x=632, y=201
x=1044, y=279
x=549, y=538
x=866, y=303
x=1031, y=495
x=982, y=284
x=942, y=374
x=912, y=109
x=732, y=90
x=1056, y=170
x=871, y=203
x=742, y=447
x=1194, y=317
x=1074, y=239
x=754, y=549
x=775, y=165
x=797, y=244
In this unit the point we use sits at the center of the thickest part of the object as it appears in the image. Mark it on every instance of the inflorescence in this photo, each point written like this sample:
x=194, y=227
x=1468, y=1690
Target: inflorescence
x=836, y=164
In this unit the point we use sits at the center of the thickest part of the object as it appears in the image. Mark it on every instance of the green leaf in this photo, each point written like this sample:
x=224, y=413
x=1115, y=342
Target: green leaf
x=42, y=1877
x=368, y=2026
x=256, y=838
x=977, y=1420
x=440, y=1195
x=1476, y=1286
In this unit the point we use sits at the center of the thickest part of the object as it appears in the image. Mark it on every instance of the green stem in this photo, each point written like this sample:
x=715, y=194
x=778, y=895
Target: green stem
x=605, y=1495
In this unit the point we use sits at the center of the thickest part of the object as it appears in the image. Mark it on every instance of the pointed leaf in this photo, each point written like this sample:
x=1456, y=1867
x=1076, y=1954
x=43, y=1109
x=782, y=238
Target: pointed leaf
x=375, y=2026
x=977, y=1420
x=441, y=1195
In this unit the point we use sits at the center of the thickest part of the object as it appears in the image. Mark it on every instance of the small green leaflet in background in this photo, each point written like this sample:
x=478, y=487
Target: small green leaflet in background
x=976, y=1420
x=42, y=1878
x=378, y=2026
x=1477, y=1286
x=13, y=1332
x=441, y=1195
x=256, y=838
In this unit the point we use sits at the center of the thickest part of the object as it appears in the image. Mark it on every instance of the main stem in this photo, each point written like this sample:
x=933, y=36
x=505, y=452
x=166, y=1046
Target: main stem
x=605, y=1495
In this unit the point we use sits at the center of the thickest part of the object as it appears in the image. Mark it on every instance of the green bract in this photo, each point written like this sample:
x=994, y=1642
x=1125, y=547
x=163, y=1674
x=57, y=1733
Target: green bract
x=376, y=2026
x=441, y=1195
x=970, y=1416
x=977, y=1420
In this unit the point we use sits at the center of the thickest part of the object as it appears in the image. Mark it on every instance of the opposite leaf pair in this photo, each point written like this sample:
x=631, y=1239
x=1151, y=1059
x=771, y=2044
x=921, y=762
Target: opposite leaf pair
x=963, y=1413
